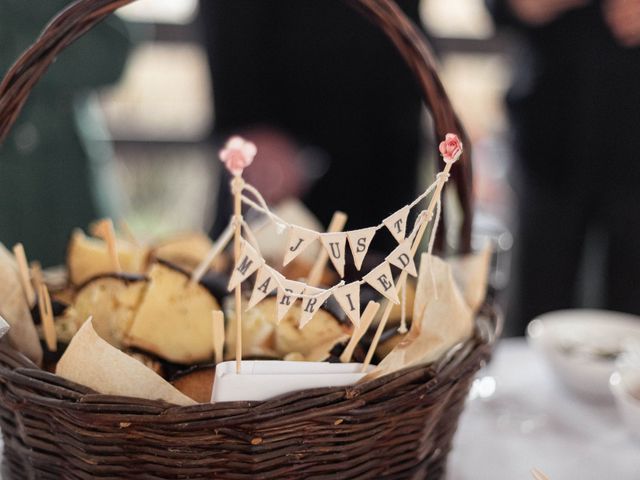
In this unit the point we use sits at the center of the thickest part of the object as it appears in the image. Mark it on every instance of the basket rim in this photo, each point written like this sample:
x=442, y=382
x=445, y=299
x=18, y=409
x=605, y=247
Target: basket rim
x=17, y=369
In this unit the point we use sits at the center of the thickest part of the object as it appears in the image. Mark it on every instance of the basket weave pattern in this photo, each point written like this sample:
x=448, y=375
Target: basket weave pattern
x=397, y=426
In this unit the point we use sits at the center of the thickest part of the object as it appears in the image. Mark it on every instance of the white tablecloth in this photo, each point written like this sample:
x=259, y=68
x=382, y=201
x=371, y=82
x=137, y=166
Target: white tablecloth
x=532, y=421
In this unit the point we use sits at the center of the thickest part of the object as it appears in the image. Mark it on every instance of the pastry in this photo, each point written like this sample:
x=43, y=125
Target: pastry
x=174, y=320
x=88, y=257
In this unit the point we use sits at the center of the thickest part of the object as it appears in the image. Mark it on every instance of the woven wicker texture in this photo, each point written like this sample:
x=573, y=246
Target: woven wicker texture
x=397, y=426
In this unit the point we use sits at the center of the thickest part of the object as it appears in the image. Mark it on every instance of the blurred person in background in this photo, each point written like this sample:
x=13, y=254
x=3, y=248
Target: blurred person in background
x=575, y=111
x=48, y=183
x=329, y=102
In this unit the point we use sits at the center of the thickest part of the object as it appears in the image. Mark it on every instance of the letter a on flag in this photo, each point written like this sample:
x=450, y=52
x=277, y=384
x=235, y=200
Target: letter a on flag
x=265, y=284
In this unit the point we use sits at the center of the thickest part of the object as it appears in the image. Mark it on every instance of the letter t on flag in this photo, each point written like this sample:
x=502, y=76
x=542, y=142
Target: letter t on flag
x=397, y=223
x=248, y=262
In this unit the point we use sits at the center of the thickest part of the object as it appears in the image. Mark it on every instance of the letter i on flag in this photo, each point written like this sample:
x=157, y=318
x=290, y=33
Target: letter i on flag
x=348, y=297
x=248, y=262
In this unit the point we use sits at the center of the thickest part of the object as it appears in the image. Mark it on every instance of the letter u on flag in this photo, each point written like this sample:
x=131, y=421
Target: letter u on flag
x=248, y=262
x=335, y=244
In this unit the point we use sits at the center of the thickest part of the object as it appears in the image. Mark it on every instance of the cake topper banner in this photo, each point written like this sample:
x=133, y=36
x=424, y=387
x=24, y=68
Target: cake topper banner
x=359, y=241
x=239, y=154
x=268, y=279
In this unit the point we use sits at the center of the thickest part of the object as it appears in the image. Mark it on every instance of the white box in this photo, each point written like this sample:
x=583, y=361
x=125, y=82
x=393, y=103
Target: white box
x=264, y=379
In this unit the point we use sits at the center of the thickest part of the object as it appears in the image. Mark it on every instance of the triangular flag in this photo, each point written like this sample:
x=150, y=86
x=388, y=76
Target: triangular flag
x=402, y=258
x=334, y=244
x=397, y=223
x=348, y=297
x=311, y=305
x=299, y=239
x=359, y=241
x=288, y=291
x=248, y=262
x=265, y=284
x=380, y=278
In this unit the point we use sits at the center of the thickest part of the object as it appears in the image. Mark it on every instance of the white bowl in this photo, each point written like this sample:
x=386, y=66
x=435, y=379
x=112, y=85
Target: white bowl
x=625, y=386
x=569, y=340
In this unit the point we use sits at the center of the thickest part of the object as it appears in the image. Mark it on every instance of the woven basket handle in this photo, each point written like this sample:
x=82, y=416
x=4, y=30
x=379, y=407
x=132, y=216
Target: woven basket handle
x=83, y=15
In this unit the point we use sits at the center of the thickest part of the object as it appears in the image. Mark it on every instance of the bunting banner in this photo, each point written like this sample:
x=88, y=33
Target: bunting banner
x=288, y=293
x=248, y=262
x=402, y=258
x=380, y=278
x=359, y=241
x=299, y=239
x=238, y=154
x=265, y=284
x=397, y=223
x=348, y=297
x=335, y=245
x=311, y=305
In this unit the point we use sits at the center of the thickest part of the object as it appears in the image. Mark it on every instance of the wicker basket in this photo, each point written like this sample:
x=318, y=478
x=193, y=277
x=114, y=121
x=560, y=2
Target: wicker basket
x=397, y=426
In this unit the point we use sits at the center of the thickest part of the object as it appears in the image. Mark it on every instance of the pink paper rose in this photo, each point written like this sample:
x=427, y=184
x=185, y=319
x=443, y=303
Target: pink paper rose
x=451, y=148
x=238, y=154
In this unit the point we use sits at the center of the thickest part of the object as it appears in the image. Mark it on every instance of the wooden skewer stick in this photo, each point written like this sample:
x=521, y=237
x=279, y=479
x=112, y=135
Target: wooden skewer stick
x=25, y=277
x=403, y=275
x=538, y=475
x=104, y=229
x=218, y=335
x=36, y=275
x=237, y=185
x=365, y=320
x=338, y=221
x=46, y=315
x=128, y=233
x=216, y=249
